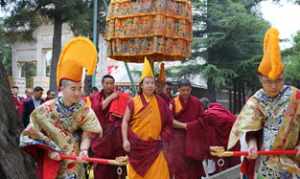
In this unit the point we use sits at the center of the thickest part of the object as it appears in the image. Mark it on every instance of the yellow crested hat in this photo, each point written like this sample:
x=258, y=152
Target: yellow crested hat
x=147, y=69
x=77, y=54
x=271, y=65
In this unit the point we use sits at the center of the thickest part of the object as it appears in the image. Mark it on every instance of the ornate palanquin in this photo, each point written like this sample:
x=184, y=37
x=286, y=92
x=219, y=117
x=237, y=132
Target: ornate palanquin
x=160, y=30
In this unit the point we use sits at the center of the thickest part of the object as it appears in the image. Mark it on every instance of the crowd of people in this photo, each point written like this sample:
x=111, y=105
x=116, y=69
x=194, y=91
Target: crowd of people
x=168, y=126
x=162, y=136
x=31, y=100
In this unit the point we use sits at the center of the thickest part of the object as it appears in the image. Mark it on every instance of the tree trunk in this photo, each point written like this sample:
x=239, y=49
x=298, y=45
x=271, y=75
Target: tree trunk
x=56, y=47
x=212, y=96
x=14, y=163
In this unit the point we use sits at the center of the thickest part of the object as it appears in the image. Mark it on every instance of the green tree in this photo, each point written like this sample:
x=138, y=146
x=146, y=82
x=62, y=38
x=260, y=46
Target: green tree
x=235, y=36
x=231, y=37
x=291, y=58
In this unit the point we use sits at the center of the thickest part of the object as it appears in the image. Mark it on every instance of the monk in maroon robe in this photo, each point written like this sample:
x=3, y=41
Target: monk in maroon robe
x=165, y=93
x=186, y=109
x=108, y=106
x=217, y=121
x=163, y=87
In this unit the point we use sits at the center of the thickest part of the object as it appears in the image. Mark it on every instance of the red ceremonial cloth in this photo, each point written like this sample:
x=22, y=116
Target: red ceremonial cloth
x=248, y=168
x=118, y=106
x=46, y=168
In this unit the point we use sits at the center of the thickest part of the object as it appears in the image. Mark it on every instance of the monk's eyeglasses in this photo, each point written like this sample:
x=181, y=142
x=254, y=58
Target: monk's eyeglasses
x=270, y=82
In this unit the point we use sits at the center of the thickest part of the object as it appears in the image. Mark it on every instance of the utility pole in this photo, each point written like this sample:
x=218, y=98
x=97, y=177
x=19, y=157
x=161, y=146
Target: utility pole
x=95, y=31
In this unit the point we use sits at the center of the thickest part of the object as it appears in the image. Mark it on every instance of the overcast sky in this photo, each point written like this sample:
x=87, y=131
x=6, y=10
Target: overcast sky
x=285, y=16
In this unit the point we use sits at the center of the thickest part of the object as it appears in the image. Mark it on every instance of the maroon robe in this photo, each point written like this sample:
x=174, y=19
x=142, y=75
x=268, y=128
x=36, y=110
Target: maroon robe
x=167, y=99
x=143, y=153
x=168, y=130
x=19, y=105
x=46, y=168
x=110, y=145
x=118, y=107
x=182, y=166
x=217, y=121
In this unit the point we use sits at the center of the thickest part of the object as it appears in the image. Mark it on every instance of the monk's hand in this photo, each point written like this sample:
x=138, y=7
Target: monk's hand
x=82, y=154
x=114, y=95
x=54, y=156
x=126, y=145
x=185, y=126
x=252, y=149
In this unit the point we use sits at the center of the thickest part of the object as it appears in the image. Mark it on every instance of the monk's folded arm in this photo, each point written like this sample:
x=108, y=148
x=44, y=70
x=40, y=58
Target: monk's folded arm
x=106, y=102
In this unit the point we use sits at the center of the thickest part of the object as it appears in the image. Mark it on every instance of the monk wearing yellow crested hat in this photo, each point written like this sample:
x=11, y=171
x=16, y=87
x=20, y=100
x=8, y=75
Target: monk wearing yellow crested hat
x=163, y=87
x=67, y=123
x=143, y=128
x=270, y=119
